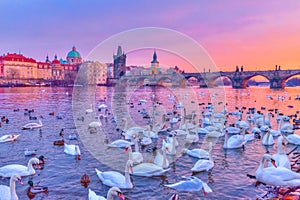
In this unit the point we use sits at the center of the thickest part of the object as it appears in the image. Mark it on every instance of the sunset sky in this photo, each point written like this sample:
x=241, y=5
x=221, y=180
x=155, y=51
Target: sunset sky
x=256, y=34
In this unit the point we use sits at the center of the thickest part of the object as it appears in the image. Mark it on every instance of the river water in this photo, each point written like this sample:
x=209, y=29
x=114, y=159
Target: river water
x=62, y=172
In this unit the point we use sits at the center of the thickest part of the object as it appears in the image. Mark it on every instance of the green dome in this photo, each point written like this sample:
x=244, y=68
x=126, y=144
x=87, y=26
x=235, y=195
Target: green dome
x=73, y=53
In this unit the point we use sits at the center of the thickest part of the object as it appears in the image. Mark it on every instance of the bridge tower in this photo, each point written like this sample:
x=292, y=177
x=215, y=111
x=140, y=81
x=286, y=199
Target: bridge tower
x=119, y=63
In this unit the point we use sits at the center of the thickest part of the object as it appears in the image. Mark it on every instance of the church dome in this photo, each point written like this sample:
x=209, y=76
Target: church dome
x=73, y=53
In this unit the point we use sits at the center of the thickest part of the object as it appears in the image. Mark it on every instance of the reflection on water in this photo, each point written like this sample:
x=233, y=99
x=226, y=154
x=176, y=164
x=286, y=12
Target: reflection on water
x=62, y=172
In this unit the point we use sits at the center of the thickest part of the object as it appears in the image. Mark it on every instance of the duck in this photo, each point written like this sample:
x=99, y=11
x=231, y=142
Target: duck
x=198, y=153
x=9, y=193
x=36, y=188
x=73, y=150
x=29, y=152
x=42, y=159
x=8, y=138
x=32, y=125
x=112, y=192
x=9, y=170
x=59, y=142
x=204, y=164
x=191, y=183
x=85, y=180
x=281, y=159
x=116, y=179
x=234, y=142
x=276, y=176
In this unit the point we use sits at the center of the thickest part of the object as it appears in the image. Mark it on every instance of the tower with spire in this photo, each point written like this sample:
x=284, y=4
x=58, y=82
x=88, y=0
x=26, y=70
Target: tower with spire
x=119, y=63
x=154, y=64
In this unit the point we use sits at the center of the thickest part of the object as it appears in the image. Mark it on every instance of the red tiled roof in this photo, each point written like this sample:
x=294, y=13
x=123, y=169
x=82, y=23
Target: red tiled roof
x=17, y=57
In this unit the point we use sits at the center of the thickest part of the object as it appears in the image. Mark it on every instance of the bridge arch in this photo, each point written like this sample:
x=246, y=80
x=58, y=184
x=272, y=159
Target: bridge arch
x=245, y=80
x=211, y=82
x=284, y=80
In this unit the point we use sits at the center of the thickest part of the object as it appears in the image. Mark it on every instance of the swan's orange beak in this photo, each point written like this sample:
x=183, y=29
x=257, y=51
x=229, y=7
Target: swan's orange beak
x=273, y=162
x=121, y=196
x=20, y=181
x=78, y=157
x=131, y=169
x=126, y=149
x=205, y=193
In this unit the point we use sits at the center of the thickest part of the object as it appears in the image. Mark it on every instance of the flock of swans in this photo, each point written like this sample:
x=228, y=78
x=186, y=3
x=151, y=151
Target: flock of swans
x=213, y=124
x=173, y=136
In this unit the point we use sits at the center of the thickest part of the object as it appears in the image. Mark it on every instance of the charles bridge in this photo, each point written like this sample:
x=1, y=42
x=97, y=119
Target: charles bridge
x=277, y=78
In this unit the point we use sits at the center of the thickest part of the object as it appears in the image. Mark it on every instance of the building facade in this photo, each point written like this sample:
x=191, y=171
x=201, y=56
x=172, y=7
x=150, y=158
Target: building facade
x=18, y=67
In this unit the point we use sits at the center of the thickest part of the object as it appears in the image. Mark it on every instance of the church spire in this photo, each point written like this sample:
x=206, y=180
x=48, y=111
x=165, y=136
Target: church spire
x=154, y=57
x=119, y=53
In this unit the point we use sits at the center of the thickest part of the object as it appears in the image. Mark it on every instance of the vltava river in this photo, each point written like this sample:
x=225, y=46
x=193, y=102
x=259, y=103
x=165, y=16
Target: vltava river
x=62, y=172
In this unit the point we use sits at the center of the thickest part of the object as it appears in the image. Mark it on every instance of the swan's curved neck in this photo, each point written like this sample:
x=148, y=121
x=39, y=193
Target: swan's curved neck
x=13, y=194
x=136, y=145
x=129, y=154
x=127, y=175
x=30, y=167
x=164, y=164
x=226, y=139
x=279, y=146
x=173, y=145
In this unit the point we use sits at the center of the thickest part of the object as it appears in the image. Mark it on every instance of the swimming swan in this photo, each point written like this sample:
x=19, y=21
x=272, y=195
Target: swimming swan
x=113, y=178
x=9, y=193
x=9, y=170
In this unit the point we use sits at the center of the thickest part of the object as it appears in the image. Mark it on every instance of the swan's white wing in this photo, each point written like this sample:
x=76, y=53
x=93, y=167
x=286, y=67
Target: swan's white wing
x=93, y=196
x=4, y=192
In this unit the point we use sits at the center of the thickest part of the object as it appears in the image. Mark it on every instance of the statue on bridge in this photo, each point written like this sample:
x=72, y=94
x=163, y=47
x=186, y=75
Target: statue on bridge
x=237, y=69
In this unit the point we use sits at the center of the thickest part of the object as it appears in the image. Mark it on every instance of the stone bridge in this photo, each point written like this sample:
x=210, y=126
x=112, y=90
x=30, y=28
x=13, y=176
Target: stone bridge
x=277, y=78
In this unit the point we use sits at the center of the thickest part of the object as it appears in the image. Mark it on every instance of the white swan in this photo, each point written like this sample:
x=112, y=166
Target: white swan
x=170, y=146
x=191, y=184
x=293, y=139
x=234, y=142
x=112, y=192
x=268, y=139
x=172, y=137
x=113, y=178
x=89, y=110
x=95, y=124
x=148, y=170
x=136, y=156
x=233, y=130
x=199, y=153
x=33, y=125
x=9, y=193
x=161, y=158
x=8, y=138
x=120, y=143
x=73, y=150
x=279, y=176
x=9, y=170
x=204, y=164
x=281, y=159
